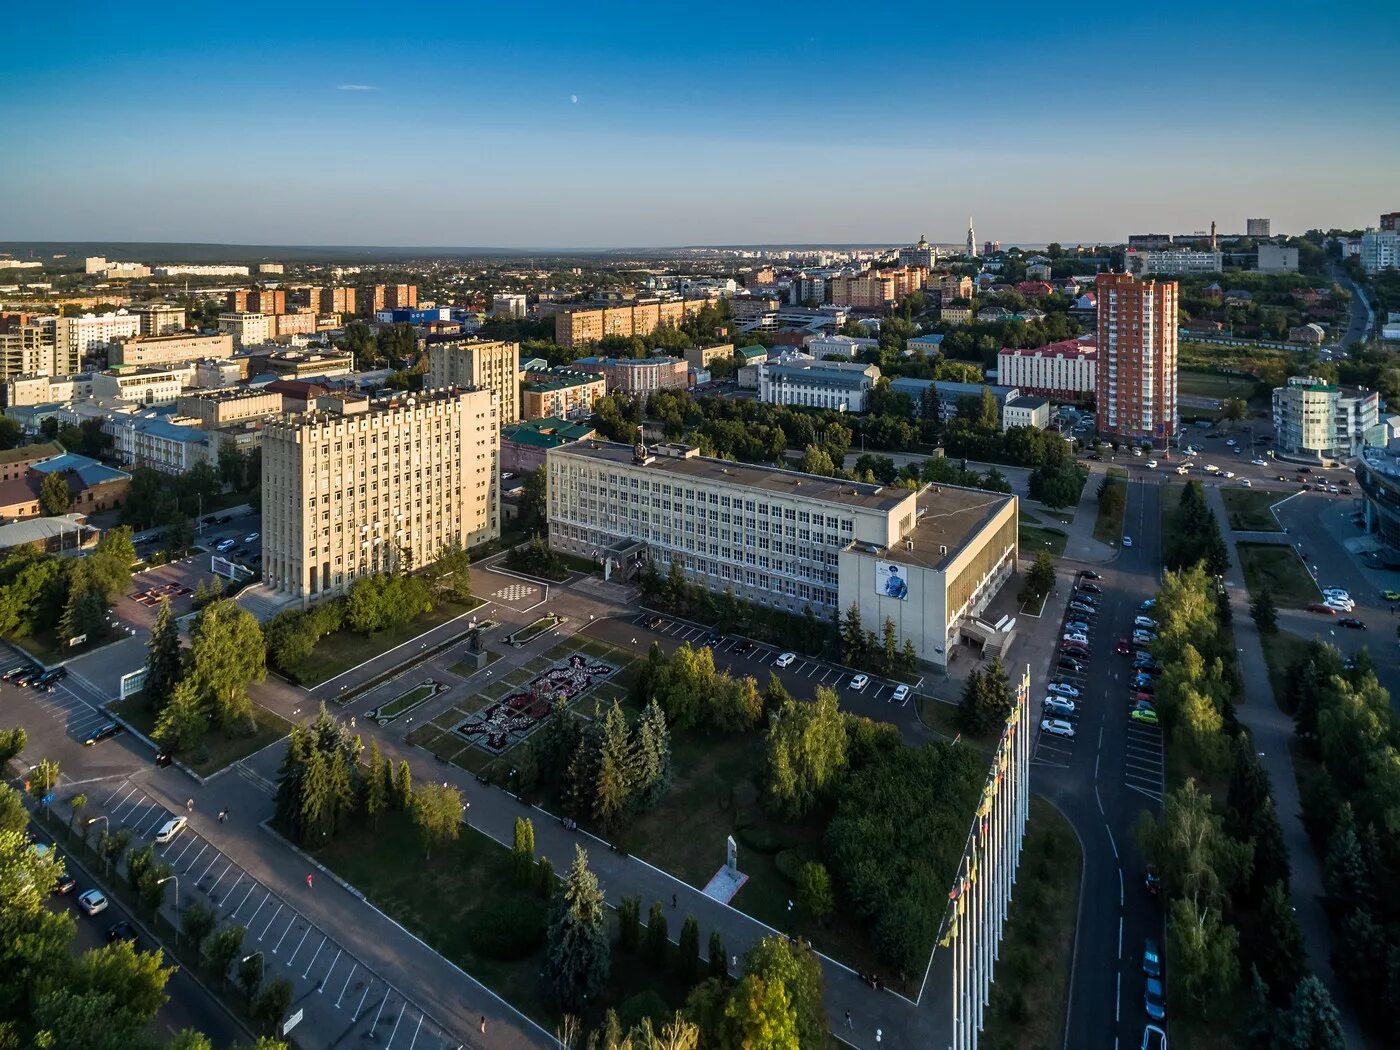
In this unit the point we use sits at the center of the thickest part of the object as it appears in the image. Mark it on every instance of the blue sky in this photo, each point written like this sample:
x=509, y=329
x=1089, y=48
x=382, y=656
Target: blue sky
x=591, y=125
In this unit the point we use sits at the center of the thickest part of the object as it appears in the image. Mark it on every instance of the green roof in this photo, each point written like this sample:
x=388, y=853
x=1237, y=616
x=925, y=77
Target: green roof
x=554, y=380
x=756, y=350
x=549, y=432
x=47, y=450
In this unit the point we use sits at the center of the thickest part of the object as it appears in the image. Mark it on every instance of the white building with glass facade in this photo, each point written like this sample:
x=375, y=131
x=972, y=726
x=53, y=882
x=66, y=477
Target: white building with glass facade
x=1318, y=420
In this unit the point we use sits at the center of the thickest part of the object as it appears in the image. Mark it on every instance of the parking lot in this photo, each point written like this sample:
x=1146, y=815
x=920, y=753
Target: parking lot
x=739, y=652
x=337, y=992
x=1144, y=770
x=67, y=703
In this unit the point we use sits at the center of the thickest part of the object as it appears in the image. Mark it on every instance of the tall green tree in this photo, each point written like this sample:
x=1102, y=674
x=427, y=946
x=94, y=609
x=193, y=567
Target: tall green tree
x=1264, y=611
x=374, y=795
x=759, y=1014
x=523, y=847
x=612, y=785
x=227, y=655
x=54, y=495
x=658, y=942
x=182, y=723
x=688, y=952
x=806, y=751
x=437, y=814
x=579, y=954
x=164, y=664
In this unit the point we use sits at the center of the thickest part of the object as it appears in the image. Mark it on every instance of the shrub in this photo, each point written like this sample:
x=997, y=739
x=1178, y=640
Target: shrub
x=643, y=1004
x=512, y=929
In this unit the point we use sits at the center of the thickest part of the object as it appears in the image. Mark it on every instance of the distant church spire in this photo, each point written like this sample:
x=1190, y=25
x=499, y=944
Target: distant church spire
x=971, y=240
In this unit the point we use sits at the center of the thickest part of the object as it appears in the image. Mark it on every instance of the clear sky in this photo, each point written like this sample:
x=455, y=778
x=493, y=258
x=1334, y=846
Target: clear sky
x=601, y=125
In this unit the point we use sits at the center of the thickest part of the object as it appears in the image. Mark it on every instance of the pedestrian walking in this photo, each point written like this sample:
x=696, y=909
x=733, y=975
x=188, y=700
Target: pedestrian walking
x=673, y=901
x=483, y=1024
x=223, y=815
x=189, y=805
x=309, y=880
x=848, y=1020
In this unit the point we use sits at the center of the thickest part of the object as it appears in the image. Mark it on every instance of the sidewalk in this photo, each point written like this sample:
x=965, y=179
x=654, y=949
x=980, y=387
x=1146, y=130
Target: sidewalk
x=1271, y=729
x=1081, y=545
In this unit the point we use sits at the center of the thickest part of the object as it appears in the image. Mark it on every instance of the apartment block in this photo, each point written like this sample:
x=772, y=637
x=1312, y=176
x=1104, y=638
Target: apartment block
x=247, y=329
x=562, y=393
x=91, y=335
x=354, y=487
x=256, y=301
x=583, y=325
x=302, y=322
x=217, y=408
x=1177, y=261
x=508, y=305
x=751, y=307
x=1321, y=420
x=159, y=318
x=1275, y=258
x=334, y=301
x=929, y=561
x=27, y=346
x=393, y=297
x=1135, y=378
x=949, y=286
x=1380, y=250
x=704, y=356
x=1064, y=370
x=178, y=349
x=639, y=376
x=875, y=289
x=46, y=389
x=473, y=363
x=1256, y=227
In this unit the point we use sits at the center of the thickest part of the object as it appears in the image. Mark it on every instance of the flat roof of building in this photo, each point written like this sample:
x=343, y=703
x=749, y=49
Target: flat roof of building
x=767, y=479
x=549, y=432
x=33, y=530
x=44, y=450
x=948, y=517
x=559, y=380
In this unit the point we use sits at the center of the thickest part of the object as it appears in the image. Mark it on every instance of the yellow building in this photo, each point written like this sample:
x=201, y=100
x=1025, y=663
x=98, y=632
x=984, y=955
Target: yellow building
x=479, y=363
x=354, y=487
x=561, y=393
x=578, y=327
x=171, y=349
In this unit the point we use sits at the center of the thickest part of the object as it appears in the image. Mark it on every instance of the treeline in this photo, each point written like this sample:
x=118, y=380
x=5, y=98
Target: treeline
x=1192, y=534
x=43, y=594
x=1350, y=735
x=51, y=993
x=375, y=603
x=171, y=503
x=880, y=653
x=205, y=687
x=1223, y=863
x=982, y=340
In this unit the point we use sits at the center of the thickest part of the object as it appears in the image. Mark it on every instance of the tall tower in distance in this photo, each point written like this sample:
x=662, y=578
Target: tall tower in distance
x=971, y=240
x=1135, y=379
x=1212, y=235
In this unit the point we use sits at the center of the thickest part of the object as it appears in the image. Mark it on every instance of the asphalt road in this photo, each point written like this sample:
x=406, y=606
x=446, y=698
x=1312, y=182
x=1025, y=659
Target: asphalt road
x=189, y=1004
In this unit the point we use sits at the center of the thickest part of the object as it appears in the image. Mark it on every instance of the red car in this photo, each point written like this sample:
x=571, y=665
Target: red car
x=1124, y=647
x=1325, y=610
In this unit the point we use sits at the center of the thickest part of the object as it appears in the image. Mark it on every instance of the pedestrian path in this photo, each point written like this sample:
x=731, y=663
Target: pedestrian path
x=1270, y=730
x=1081, y=545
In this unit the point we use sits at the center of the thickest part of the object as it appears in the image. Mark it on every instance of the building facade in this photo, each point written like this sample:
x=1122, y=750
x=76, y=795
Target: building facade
x=247, y=329
x=1256, y=227
x=1025, y=412
x=875, y=289
x=179, y=349
x=506, y=304
x=492, y=364
x=704, y=356
x=561, y=393
x=142, y=386
x=840, y=385
x=581, y=326
x=1318, y=420
x=847, y=346
x=1275, y=258
x=1063, y=370
x=786, y=540
x=91, y=335
x=1169, y=262
x=1380, y=250
x=353, y=488
x=921, y=254
x=217, y=408
x=159, y=318
x=946, y=396
x=637, y=376
x=1135, y=377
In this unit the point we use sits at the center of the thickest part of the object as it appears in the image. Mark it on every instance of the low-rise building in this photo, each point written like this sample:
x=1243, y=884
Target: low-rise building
x=928, y=344
x=930, y=562
x=525, y=444
x=639, y=376
x=1025, y=411
x=1312, y=333
x=142, y=386
x=178, y=349
x=847, y=346
x=220, y=372
x=218, y=408
x=751, y=307
x=301, y=364
x=92, y=487
x=956, y=313
x=1315, y=419
x=15, y=462
x=563, y=393
x=1174, y=262
x=949, y=286
x=1063, y=370
x=840, y=385
x=506, y=304
x=704, y=356
x=151, y=439
x=944, y=395
x=1275, y=258
x=47, y=390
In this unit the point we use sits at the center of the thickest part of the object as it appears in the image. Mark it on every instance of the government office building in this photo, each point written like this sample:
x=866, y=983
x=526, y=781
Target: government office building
x=930, y=561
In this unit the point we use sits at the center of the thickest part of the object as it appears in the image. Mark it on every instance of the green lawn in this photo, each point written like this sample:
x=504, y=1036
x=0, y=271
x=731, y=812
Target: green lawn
x=339, y=651
x=1108, y=525
x=1027, y=1007
x=714, y=793
x=1036, y=538
x=219, y=748
x=1248, y=510
x=1280, y=650
x=1213, y=384
x=479, y=916
x=1277, y=567
x=404, y=701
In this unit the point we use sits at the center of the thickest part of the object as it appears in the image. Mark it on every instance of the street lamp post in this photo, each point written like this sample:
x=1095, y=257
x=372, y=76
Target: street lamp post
x=176, y=879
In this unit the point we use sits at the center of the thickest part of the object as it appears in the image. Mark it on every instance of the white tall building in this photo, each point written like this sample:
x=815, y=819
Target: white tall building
x=90, y=335
x=355, y=487
x=505, y=304
x=1063, y=370
x=1380, y=250
x=1317, y=419
x=1145, y=263
x=971, y=239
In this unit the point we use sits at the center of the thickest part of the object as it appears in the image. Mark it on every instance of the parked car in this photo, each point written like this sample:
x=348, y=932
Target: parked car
x=1151, y=958
x=785, y=660
x=1076, y=636
x=1390, y=596
x=1088, y=574
x=1090, y=588
x=744, y=646
x=1081, y=607
x=1150, y=603
x=653, y=623
x=1145, y=622
x=252, y=537
x=859, y=682
x=1056, y=727
x=1353, y=623
x=1076, y=625
x=900, y=694
x=1127, y=541
x=1069, y=663
x=225, y=545
x=1147, y=717
x=1154, y=999
x=64, y=884
x=121, y=931
x=1325, y=610
x=1063, y=689
x=170, y=829
x=92, y=901
x=1153, y=1038
x=1057, y=707
x=103, y=732
x=1340, y=604
x=1336, y=592
x=1142, y=705
x=15, y=671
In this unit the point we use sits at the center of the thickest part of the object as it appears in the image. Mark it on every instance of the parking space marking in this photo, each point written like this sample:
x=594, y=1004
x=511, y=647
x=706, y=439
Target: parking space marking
x=347, y=984
x=227, y=869
x=251, y=887
x=396, y=1025
x=190, y=840
x=253, y=918
x=270, y=921
x=338, y=952
x=305, y=934
x=290, y=927
x=203, y=874
x=414, y=1041
x=316, y=955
